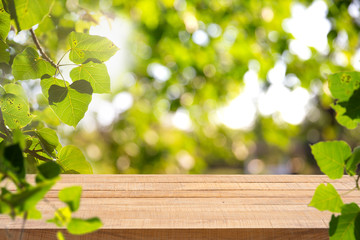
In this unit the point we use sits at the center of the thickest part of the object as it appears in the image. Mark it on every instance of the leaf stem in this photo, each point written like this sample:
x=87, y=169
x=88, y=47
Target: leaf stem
x=63, y=78
x=62, y=58
x=357, y=182
x=43, y=54
x=348, y=191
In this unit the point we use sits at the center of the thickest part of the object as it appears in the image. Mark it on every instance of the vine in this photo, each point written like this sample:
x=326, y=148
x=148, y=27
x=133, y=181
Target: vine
x=28, y=137
x=335, y=156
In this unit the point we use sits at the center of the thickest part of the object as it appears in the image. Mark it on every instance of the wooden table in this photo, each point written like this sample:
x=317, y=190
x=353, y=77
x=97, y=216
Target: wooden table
x=192, y=207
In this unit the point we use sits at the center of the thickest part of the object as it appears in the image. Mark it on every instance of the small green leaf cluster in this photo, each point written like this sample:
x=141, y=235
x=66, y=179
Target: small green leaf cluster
x=28, y=139
x=333, y=157
x=23, y=201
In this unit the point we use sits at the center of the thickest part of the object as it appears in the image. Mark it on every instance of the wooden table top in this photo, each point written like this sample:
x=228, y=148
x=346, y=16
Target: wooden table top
x=192, y=207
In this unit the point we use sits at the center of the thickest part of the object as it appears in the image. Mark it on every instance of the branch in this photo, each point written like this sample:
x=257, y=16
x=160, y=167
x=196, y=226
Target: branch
x=43, y=54
x=36, y=155
x=3, y=136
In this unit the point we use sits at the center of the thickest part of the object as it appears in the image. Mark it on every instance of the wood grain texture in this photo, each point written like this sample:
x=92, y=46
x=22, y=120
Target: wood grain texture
x=192, y=207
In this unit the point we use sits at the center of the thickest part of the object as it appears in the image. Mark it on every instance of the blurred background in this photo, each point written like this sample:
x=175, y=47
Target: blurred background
x=209, y=87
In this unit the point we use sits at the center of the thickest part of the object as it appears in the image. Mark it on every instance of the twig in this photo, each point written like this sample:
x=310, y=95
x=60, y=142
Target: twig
x=34, y=154
x=357, y=182
x=3, y=136
x=43, y=54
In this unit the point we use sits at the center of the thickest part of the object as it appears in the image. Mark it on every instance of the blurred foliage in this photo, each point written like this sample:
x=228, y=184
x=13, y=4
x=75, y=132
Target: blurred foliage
x=203, y=79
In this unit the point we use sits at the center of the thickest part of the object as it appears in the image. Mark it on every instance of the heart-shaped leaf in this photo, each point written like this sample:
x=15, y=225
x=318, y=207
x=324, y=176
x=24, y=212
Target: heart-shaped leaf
x=74, y=105
x=71, y=158
x=84, y=46
x=326, y=198
x=331, y=157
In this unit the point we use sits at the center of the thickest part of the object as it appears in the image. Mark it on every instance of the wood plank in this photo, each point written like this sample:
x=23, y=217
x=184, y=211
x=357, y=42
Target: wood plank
x=193, y=207
x=180, y=178
x=263, y=193
x=182, y=234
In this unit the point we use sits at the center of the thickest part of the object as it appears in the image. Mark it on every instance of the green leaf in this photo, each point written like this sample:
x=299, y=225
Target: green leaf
x=4, y=208
x=84, y=46
x=333, y=224
x=72, y=108
x=48, y=140
x=94, y=73
x=31, y=13
x=82, y=86
x=4, y=54
x=18, y=90
x=345, y=88
x=79, y=226
x=33, y=213
x=60, y=236
x=342, y=85
x=29, y=65
x=15, y=106
x=14, y=157
x=15, y=111
x=326, y=198
x=331, y=156
x=71, y=158
x=352, y=109
x=4, y=23
x=49, y=170
x=28, y=198
x=345, y=227
x=62, y=217
x=57, y=94
x=353, y=162
x=344, y=120
x=71, y=196
x=357, y=226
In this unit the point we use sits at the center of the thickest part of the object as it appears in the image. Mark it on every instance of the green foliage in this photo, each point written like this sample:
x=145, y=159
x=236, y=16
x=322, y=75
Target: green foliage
x=28, y=136
x=26, y=15
x=326, y=198
x=332, y=157
x=72, y=160
x=80, y=226
x=4, y=23
x=95, y=73
x=68, y=102
x=15, y=110
x=71, y=196
x=29, y=65
x=345, y=223
x=86, y=48
x=344, y=87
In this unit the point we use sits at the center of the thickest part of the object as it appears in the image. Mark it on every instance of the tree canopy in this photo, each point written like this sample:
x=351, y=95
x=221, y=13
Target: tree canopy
x=204, y=86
